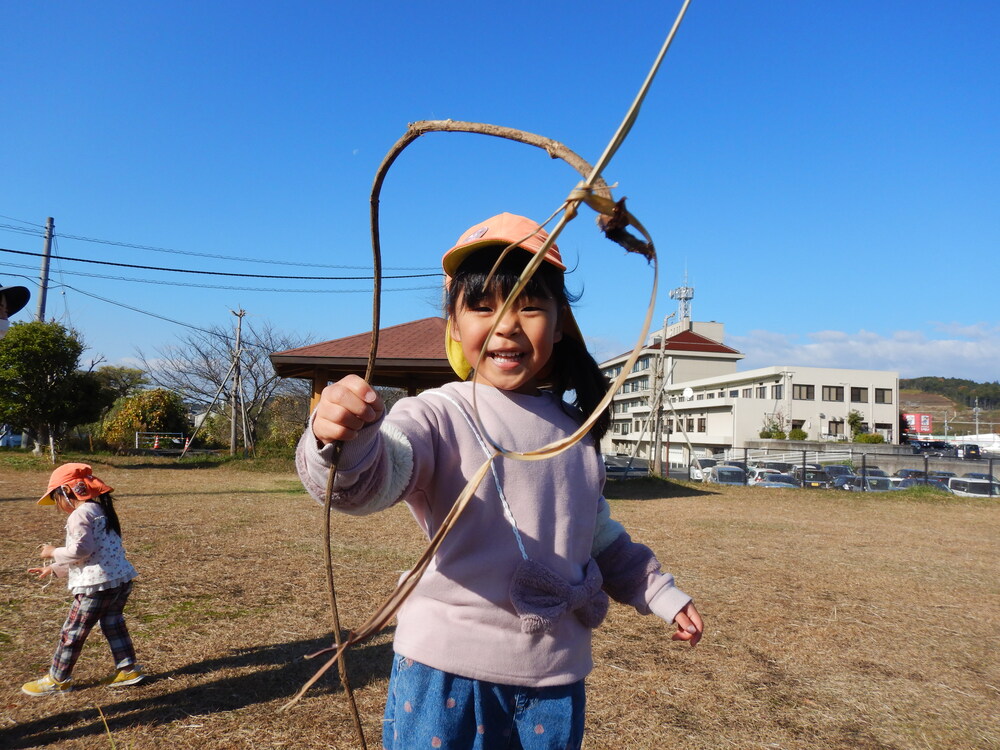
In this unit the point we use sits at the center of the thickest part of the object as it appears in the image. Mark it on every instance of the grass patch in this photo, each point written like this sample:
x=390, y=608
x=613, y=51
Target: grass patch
x=834, y=619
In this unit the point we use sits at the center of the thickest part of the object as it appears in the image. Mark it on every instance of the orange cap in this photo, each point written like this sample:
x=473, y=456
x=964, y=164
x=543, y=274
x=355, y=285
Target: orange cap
x=79, y=479
x=499, y=231
x=503, y=229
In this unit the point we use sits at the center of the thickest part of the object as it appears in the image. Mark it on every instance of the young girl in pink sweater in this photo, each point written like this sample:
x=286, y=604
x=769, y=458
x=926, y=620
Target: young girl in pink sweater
x=493, y=645
x=97, y=572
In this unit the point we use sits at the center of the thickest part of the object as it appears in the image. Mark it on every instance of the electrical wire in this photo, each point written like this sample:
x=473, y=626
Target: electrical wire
x=41, y=233
x=217, y=273
x=229, y=288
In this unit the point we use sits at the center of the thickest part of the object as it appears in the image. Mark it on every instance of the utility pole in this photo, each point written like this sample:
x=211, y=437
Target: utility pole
x=44, y=276
x=656, y=404
x=235, y=395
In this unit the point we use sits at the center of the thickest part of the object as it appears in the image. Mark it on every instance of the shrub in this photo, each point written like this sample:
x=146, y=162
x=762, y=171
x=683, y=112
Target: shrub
x=797, y=434
x=869, y=437
x=766, y=434
x=779, y=435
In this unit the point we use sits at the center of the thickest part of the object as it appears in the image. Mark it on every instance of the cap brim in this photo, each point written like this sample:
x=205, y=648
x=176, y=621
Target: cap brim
x=46, y=499
x=17, y=297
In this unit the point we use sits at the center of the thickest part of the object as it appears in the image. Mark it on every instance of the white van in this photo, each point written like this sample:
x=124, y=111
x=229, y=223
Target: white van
x=966, y=487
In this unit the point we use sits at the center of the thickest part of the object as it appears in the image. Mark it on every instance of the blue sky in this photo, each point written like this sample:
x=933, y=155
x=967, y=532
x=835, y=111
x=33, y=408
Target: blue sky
x=826, y=174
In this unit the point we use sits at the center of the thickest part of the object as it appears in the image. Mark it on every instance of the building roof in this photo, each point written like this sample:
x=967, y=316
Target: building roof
x=687, y=342
x=410, y=355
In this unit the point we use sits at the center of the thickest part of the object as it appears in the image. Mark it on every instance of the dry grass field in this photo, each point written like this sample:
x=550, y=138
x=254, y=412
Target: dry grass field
x=834, y=620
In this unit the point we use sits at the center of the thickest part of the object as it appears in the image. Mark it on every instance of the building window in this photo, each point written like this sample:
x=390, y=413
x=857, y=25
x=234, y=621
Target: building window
x=690, y=424
x=747, y=392
x=669, y=426
x=701, y=424
x=804, y=392
x=835, y=428
x=617, y=428
x=700, y=397
x=762, y=391
x=883, y=395
x=625, y=426
x=833, y=393
x=734, y=394
x=859, y=395
x=777, y=392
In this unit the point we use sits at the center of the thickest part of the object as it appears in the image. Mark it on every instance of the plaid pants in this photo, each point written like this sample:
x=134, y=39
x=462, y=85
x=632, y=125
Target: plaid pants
x=103, y=607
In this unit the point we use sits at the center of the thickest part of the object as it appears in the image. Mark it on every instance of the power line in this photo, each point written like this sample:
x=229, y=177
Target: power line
x=143, y=312
x=41, y=232
x=229, y=288
x=219, y=273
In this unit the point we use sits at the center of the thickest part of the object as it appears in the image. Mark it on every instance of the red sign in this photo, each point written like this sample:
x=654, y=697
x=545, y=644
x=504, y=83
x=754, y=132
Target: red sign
x=919, y=423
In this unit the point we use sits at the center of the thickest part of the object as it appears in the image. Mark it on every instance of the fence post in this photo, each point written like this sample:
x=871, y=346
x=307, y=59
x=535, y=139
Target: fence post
x=864, y=472
x=746, y=462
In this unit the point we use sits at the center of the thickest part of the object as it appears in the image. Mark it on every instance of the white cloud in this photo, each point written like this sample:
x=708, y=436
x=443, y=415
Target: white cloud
x=958, y=351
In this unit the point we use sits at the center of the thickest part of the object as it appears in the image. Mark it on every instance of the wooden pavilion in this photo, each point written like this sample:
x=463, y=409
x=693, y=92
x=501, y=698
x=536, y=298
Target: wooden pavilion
x=410, y=356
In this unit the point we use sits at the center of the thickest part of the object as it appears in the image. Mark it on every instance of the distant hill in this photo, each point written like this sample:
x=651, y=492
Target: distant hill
x=952, y=399
x=963, y=392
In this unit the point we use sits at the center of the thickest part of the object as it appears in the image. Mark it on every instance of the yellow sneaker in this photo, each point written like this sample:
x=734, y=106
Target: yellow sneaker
x=47, y=686
x=127, y=676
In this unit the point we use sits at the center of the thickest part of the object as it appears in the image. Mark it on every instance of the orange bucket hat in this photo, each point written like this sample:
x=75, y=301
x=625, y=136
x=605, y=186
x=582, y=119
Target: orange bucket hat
x=499, y=231
x=79, y=479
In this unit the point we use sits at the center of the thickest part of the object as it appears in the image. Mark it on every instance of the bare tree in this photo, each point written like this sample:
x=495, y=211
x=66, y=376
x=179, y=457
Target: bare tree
x=200, y=368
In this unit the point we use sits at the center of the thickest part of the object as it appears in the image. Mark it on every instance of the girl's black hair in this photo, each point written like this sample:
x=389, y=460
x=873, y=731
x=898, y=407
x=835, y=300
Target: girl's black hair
x=107, y=503
x=573, y=368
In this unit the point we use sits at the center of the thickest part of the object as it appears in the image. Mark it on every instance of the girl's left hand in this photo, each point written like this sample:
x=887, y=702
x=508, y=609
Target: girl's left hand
x=43, y=572
x=689, y=625
x=46, y=550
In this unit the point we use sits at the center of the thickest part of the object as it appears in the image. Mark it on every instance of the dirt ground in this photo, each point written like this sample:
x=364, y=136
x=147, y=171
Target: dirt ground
x=834, y=620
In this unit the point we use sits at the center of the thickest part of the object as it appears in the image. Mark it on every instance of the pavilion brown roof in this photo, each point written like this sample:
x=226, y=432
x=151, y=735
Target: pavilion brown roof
x=410, y=355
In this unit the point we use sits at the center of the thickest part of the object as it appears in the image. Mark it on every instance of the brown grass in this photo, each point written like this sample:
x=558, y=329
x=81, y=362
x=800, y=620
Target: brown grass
x=833, y=620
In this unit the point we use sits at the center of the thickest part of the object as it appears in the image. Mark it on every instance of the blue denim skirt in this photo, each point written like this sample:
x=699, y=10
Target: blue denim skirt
x=428, y=708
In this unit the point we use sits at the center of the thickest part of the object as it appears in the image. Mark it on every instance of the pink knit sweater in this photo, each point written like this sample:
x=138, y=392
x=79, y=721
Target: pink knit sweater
x=484, y=609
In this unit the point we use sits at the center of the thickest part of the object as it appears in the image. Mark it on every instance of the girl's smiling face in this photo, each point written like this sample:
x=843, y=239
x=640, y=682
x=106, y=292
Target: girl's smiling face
x=519, y=350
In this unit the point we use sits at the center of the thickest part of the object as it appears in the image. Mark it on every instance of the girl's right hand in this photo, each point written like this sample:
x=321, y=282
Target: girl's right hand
x=344, y=408
x=43, y=572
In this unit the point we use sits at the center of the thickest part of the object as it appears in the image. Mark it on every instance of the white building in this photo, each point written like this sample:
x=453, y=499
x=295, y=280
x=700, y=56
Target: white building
x=706, y=402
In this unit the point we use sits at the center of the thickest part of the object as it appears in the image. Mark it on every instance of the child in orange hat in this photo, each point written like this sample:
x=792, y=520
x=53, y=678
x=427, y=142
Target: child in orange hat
x=493, y=645
x=99, y=575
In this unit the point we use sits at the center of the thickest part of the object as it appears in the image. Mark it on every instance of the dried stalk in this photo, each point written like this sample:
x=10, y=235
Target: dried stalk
x=613, y=218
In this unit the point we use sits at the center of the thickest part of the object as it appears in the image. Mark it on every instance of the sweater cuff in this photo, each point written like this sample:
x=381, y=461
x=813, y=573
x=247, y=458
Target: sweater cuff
x=667, y=602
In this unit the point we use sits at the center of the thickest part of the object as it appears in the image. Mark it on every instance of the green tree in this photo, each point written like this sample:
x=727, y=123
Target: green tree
x=41, y=389
x=121, y=381
x=147, y=411
x=855, y=421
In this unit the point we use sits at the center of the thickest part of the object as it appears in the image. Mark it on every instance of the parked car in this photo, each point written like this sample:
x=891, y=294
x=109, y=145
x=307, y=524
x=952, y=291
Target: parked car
x=840, y=481
x=868, y=483
x=979, y=475
x=815, y=478
x=922, y=482
x=738, y=464
x=778, y=481
x=964, y=487
x=906, y=473
x=779, y=465
x=725, y=475
x=945, y=475
x=838, y=470
x=873, y=471
x=968, y=450
x=760, y=475
x=699, y=466
x=933, y=448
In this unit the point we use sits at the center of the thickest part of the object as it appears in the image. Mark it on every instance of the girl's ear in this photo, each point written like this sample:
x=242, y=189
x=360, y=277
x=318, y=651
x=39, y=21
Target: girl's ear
x=560, y=318
x=453, y=328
